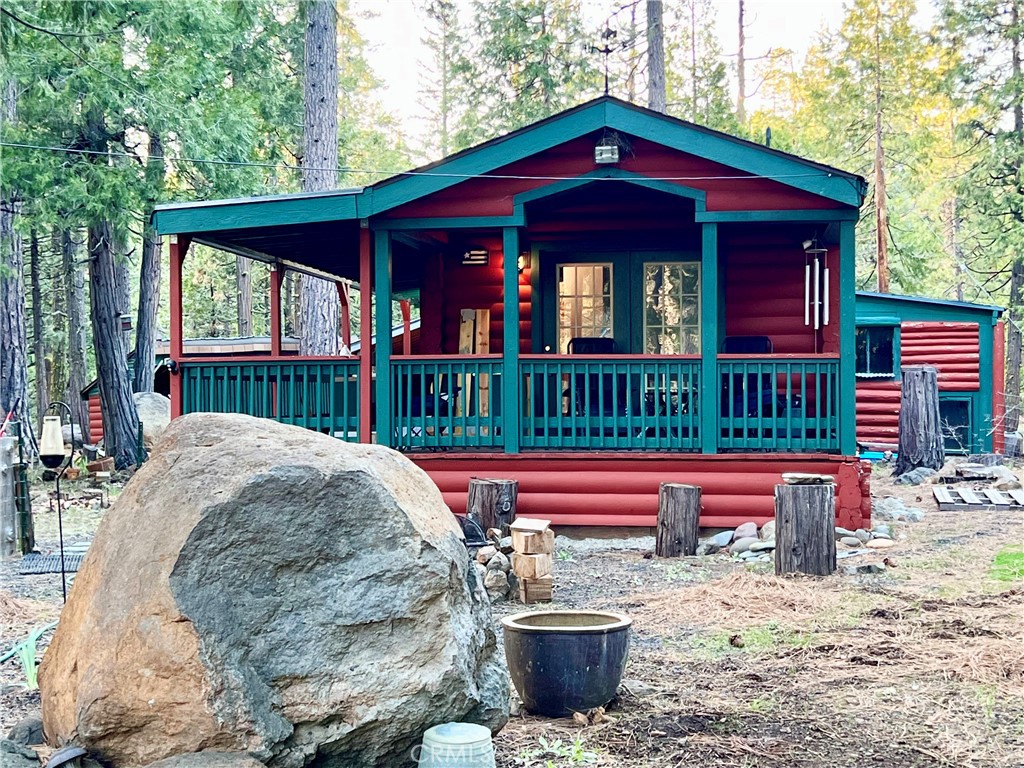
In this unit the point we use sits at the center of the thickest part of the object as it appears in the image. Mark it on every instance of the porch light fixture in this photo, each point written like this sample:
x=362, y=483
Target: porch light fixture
x=476, y=256
x=606, y=154
x=523, y=262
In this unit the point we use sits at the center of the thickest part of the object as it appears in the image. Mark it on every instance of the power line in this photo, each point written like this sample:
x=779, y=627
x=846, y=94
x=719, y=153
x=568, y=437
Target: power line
x=386, y=173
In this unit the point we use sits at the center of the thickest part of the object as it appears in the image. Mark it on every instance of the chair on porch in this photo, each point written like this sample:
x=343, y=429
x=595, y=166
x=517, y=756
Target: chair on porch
x=751, y=394
x=596, y=394
x=429, y=397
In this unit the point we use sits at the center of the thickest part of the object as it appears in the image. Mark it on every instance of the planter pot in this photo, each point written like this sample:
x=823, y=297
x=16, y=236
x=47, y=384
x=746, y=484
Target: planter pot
x=566, y=661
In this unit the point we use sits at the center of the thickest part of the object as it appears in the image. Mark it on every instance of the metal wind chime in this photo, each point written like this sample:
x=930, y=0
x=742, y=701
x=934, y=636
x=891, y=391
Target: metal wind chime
x=816, y=287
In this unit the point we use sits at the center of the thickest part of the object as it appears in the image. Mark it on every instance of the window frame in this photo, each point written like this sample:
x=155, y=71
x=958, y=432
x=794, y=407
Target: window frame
x=612, y=290
x=868, y=323
x=663, y=262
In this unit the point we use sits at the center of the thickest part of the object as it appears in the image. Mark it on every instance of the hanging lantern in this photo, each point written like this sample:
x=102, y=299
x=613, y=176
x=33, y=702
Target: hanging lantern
x=51, y=446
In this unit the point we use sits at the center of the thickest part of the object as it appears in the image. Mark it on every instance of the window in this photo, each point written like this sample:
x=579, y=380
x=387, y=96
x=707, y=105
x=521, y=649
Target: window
x=876, y=351
x=955, y=421
x=671, y=308
x=584, y=302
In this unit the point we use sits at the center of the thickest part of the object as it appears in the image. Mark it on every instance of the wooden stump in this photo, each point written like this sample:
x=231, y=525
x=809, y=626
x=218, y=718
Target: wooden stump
x=492, y=502
x=805, y=519
x=920, y=436
x=678, y=520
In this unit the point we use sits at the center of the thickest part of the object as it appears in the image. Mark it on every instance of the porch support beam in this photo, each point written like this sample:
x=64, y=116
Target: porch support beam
x=708, y=399
x=276, y=281
x=510, y=340
x=365, y=335
x=847, y=340
x=176, y=261
x=382, y=293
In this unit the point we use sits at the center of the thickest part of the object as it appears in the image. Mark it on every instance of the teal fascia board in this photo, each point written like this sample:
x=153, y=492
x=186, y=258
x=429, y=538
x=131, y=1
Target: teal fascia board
x=519, y=201
x=450, y=222
x=826, y=214
x=255, y=212
x=742, y=156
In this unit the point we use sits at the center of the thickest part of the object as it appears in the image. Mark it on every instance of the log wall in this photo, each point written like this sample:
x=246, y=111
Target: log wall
x=622, y=490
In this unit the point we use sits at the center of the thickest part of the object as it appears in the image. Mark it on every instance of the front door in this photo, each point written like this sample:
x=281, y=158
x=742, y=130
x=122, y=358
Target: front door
x=634, y=302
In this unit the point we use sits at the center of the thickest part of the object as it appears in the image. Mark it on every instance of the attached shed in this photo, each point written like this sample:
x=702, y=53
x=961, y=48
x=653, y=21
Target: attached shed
x=965, y=342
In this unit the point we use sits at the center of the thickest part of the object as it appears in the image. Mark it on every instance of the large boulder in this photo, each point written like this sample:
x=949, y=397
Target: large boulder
x=155, y=414
x=266, y=589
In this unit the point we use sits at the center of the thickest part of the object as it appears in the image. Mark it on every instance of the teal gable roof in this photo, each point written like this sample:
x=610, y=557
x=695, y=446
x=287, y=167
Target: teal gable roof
x=605, y=112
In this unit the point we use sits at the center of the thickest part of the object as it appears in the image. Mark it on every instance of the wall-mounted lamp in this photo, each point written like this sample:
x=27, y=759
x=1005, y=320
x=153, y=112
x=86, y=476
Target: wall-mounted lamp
x=476, y=256
x=523, y=262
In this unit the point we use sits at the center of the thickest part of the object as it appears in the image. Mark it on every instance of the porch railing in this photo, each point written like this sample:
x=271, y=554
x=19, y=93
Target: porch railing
x=787, y=404
x=319, y=395
x=601, y=403
x=446, y=402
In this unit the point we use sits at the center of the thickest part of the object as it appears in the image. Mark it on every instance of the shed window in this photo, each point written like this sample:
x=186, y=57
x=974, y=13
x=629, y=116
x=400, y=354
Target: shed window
x=876, y=351
x=672, y=308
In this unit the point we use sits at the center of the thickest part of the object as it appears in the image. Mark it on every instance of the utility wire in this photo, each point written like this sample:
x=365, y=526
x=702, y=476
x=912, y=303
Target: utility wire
x=438, y=174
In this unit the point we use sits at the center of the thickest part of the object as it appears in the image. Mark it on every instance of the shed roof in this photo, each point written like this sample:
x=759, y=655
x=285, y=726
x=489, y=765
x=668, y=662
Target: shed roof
x=933, y=304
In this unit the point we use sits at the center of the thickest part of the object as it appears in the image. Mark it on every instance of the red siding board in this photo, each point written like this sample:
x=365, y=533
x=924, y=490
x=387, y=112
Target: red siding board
x=598, y=490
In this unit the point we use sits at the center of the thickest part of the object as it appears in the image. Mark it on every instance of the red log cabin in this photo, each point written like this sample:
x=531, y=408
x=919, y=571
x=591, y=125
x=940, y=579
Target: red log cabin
x=610, y=298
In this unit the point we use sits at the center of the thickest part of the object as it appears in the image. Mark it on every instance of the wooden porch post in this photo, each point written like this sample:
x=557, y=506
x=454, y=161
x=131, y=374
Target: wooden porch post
x=276, y=280
x=510, y=340
x=365, y=334
x=178, y=248
x=406, y=308
x=847, y=340
x=382, y=291
x=709, y=385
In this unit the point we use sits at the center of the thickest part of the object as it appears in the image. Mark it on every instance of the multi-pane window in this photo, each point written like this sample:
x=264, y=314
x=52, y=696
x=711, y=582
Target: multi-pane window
x=584, y=302
x=671, y=308
x=876, y=351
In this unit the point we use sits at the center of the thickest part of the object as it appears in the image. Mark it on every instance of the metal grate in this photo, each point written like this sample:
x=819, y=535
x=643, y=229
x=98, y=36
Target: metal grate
x=34, y=564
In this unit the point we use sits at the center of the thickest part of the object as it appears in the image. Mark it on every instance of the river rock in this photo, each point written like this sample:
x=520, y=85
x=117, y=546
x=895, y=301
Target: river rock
x=154, y=413
x=484, y=554
x=863, y=535
x=915, y=476
x=745, y=531
x=17, y=755
x=499, y=562
x=882, y=530
x=742, y=544
x=893, y=509
x=267, y=589
x=496, y=581
x=707, y=547
x=762, y=546
x=851, y=541
x=880, y=543
x=841, y=532
x=27, y=731
x=869, y=568
x=767, y=532
x=722, y=539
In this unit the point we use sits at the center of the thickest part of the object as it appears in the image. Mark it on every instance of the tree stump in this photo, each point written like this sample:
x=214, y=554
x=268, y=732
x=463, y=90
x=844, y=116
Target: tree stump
x=678, y=520
x=492, y=503
x=920, y=435
x=805, y=519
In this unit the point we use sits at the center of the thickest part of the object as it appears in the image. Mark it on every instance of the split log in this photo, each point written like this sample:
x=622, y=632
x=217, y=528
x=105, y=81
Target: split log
x=678, y=520
x=805, y=519
x=920, y=430
x=9, y=533
x=492, y=503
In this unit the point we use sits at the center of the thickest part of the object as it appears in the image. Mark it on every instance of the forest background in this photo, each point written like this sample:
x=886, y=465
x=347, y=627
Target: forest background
x=112, y=106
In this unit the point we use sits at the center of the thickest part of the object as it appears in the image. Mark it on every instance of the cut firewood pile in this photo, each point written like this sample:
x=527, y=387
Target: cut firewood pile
x=519, y=564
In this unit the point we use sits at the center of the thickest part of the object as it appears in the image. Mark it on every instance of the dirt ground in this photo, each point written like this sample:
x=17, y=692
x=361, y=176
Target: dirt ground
x=922, y=665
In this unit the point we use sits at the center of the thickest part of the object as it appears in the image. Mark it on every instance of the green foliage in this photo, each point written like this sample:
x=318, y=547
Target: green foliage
x=1009, y=564
x=25, y=653
x=558, y=753
x=696, y=79
x=529, y=60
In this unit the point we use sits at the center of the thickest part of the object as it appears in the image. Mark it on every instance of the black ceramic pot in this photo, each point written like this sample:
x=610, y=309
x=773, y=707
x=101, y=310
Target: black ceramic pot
x=566, y=661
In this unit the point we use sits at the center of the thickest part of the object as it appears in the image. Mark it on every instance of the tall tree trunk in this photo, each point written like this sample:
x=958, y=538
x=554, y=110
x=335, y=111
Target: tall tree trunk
x=951, y=213
x=39, y=364
x=320, y=308
x=741, y=71
x=1015, y=335
x=881, y=208
x=13, y=336
x=74, y=289
x=655, y=56
x=149, y=279
x=120, y=419
x=243, y=295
